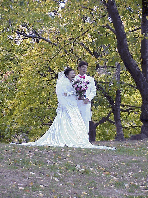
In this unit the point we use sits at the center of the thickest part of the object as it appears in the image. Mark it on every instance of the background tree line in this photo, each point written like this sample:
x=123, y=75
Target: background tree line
x=40, y=38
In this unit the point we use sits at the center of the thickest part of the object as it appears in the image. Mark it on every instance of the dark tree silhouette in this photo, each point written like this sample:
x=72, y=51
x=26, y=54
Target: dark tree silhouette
x=140, y=77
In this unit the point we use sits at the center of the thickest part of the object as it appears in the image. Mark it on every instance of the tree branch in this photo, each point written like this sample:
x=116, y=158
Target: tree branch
x=34, y=36
x=108, y=27
x=81, y=35
x=94, y=53
x=112, y=122
x=123, y=83
x=123, y=105
x=135, y=29
x=123, y=49
x=106, y=95
x=104, y=2
x=87, y=49
x=104, y=119
x=132, y=127
x=127, y=110
x=49, y=123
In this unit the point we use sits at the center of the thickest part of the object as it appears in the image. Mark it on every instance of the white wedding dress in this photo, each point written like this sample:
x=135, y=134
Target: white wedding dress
x=68, y=128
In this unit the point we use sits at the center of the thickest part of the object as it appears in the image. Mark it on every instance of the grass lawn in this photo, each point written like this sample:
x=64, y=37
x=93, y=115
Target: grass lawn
x=27, y=172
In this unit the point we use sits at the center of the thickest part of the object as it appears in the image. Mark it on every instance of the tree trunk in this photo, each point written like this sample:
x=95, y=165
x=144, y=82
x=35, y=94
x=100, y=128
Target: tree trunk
x=144, y=42
x=144, y=65
x=144, y=57
x=139, y=77
x=116, y=112
x=116, y=108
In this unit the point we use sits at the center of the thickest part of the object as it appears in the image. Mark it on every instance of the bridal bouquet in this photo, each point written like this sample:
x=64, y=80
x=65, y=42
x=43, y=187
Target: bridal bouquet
x=80, y=87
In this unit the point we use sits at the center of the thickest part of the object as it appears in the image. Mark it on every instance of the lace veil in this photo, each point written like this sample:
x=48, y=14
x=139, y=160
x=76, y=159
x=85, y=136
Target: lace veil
x=61, y=76
x=62, y=79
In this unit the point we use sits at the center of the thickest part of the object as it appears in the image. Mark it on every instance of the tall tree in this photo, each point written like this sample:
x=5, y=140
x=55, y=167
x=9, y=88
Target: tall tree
x=140, y=77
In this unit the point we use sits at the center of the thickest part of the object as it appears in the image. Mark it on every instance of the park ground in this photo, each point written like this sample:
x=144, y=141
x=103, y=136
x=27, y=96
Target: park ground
x=28, y=172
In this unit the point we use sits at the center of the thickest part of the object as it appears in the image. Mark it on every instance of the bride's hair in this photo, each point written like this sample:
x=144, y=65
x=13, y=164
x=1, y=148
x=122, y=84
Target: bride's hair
x=67, y=70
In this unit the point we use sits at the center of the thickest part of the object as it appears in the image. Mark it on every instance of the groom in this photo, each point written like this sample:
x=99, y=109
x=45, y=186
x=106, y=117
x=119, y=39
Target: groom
x=85, y=105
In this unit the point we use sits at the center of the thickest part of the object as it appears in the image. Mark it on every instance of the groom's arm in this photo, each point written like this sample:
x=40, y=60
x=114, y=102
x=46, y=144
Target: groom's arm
x=92, y=89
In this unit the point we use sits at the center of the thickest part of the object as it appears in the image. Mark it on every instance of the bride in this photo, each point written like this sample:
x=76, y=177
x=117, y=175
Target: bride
x=68, y=128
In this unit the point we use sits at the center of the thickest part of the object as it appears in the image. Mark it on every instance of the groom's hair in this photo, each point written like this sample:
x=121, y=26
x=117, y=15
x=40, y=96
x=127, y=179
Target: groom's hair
x=82, y=63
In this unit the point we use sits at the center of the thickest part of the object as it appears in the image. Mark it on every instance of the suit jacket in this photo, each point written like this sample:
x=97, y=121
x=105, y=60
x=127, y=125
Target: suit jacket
x=91, y=91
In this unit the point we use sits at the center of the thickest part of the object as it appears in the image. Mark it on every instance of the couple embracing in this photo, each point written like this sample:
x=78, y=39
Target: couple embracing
x=84, y=91
x=71, y=125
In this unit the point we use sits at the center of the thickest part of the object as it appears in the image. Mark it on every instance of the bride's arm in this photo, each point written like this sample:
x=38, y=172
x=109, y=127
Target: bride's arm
x=65, y=89
x=63, y=92
x=69, y=93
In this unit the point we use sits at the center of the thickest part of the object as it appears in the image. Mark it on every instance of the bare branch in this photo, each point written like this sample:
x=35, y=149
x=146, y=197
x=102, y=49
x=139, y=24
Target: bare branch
x=87, y=8
x=94, y=53
x=104, y=119
x=131, y=127
x=106, y=95
x=135, y=29
x=123, y=105
x=128, y=110
x=49, y=123
x=112, y=122
x=108, y=27
x=55, y=54
x=34, y=36
x=81, y=35
x=123, y=83
x=87, y=49
x=104, y=2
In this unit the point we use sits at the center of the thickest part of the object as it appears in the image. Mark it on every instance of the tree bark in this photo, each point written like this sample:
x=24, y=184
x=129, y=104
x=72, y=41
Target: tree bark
x=139, y=77
x=116, y=109
x=144, y=64
x=144, y=42
x=115, y=105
